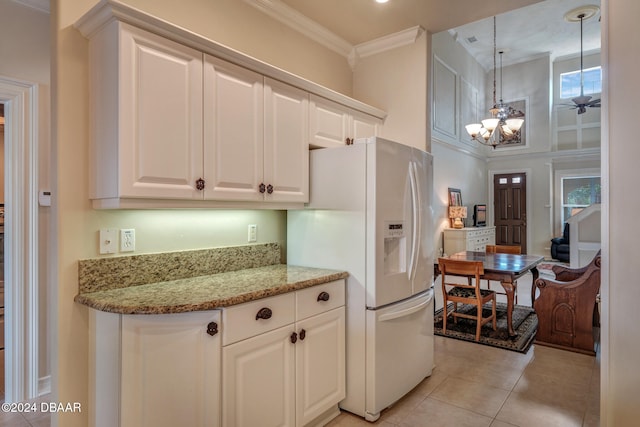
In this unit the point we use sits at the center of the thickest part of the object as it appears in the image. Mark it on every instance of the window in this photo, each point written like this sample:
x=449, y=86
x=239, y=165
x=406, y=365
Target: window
x=570, y=82
x=578, y=193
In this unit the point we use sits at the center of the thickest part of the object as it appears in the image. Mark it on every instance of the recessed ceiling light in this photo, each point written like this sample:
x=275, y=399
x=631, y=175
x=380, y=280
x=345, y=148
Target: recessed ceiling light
x=381, y=1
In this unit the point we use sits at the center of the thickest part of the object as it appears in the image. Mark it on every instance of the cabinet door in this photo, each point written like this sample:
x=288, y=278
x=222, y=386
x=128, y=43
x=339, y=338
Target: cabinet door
x=170, y=370
x=233, y=131
x=160, y=115
x=320, y=364
x=258, y=381
x=328, y=123
x=286, y=149
x=364, y=125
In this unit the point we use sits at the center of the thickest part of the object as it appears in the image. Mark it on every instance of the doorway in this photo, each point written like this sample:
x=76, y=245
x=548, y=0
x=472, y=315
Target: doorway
x=510, y=209
x=20, y=103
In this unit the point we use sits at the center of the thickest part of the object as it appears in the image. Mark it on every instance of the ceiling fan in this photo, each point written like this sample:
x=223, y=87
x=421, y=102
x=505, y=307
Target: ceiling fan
x=583, y=101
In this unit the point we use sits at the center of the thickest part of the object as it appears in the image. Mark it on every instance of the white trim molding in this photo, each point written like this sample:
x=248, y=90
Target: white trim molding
x=21, y=235
x=297, y=21
x=382, y=44
x=39, y=5
x=320, y=34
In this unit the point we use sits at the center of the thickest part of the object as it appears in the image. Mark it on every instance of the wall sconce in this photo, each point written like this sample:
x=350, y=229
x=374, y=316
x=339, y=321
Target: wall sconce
x=457, y=213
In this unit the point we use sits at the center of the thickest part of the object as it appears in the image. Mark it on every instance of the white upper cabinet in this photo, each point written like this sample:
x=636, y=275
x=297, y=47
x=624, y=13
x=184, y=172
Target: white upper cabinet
x=234, y=131
x=255, y=136
x=179, y=121
x=146, y=103
x=286, y=151
x=333, y=125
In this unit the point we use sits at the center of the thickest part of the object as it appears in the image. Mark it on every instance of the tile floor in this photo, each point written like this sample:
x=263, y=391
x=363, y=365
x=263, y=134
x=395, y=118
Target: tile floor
x=476, y=385
x=27, y=419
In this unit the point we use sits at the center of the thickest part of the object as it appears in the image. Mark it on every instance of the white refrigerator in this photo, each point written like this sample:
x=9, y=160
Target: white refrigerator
x=370, y=214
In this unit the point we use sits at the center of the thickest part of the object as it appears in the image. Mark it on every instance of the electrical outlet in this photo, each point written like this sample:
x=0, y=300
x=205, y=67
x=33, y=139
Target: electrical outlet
x=253, y=233
x=108, y=240
x=127, y=240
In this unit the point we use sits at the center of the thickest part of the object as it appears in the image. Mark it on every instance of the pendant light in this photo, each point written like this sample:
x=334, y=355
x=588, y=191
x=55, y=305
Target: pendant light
x=505, y=122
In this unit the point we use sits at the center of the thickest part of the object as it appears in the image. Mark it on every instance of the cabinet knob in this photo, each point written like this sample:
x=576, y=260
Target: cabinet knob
x=323, y=296
x=303, y=334
x=264, y=313
x=349, y=141
x=262, y=188
x=269, y=188
x=200, y=184
x=212, y=328
x=293, y=337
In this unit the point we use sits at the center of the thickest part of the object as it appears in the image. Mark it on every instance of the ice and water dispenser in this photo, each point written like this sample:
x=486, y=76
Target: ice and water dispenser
x=395, y=248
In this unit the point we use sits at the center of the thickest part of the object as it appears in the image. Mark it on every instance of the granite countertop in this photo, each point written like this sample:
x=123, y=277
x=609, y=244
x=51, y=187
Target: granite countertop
x=208, y=292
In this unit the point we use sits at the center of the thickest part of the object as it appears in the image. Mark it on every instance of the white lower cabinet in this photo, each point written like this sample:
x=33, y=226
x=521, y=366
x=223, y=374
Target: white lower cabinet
x=259, y=381
x=155, y=370
x=320, y=365
x=277, y=361
x=291, y=375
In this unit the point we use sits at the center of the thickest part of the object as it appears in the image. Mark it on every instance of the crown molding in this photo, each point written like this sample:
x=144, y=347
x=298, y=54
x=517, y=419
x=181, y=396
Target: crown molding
x=391, y=41
x=316, y=32
x=297, y=21
x=39, y=5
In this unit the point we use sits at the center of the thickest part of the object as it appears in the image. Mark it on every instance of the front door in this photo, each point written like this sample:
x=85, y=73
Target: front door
x=510, y=209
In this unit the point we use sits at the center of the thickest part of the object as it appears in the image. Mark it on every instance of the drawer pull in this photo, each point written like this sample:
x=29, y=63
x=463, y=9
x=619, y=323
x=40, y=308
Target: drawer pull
x=294, y=338
x=303, y=334
x=212, y=328
x=264, y=313
x=323, y=296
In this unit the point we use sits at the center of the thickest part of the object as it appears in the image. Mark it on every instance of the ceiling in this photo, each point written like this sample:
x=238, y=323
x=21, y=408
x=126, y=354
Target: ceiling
x=525, y=30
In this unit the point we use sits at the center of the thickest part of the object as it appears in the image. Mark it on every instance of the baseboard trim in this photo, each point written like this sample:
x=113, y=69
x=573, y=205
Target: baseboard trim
x=44, y=385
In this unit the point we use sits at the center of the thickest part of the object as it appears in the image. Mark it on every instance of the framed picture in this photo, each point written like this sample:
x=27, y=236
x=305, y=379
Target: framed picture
x=520, y=138
x=455, y=197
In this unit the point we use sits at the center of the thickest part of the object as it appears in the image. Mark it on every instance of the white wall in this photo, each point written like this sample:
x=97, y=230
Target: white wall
x=457, y=169
x=529, y=80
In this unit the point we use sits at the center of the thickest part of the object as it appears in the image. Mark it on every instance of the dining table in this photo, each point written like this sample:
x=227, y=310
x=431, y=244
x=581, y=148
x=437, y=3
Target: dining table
x=506, y=269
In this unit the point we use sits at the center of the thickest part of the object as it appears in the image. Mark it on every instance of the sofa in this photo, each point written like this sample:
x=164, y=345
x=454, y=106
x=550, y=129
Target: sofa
x=560, y=245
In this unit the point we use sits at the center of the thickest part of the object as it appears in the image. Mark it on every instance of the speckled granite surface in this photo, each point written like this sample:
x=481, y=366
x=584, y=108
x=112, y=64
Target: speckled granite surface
x=208, y=292
x=101, y=274
x=177, y=282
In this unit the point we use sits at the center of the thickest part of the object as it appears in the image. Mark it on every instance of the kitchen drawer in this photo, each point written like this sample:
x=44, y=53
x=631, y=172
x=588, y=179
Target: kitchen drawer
x=310, y=301
x=243, y=321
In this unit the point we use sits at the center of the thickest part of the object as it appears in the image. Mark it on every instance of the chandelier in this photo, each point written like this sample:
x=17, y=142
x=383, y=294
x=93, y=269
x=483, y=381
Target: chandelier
x=505, y=122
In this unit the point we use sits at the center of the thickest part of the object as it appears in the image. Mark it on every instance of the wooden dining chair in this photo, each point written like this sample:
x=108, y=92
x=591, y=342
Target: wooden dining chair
x=504, y=249
x=465, y=293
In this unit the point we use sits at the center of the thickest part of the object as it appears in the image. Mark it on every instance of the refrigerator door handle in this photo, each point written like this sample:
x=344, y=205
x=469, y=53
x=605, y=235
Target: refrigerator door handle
x=415, y=206
x=406, y=311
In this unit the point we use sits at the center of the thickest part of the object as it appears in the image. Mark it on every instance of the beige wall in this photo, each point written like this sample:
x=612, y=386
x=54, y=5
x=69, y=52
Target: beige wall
x=227, y=21
x=396, y=81
x=240, y=26
x=621, y=338
x=77, y=223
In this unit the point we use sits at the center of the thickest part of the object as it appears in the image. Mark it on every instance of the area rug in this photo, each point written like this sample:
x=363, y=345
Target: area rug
x=525, y=323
